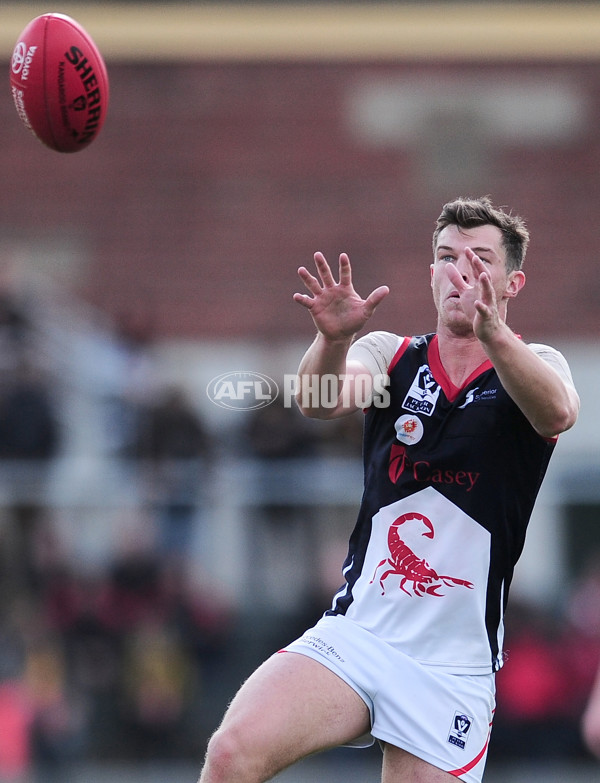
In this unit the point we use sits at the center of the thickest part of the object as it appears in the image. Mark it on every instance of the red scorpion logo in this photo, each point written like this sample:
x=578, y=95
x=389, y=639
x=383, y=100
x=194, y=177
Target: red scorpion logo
x=411, y=568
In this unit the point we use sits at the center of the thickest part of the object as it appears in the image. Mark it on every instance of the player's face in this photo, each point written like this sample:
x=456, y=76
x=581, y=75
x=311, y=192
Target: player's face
x=486, y=242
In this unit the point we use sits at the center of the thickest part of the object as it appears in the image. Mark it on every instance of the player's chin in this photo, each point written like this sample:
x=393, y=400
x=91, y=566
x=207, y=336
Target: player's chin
x=458, y=324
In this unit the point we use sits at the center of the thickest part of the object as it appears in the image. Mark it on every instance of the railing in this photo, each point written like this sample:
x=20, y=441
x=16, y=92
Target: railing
x=92, y=505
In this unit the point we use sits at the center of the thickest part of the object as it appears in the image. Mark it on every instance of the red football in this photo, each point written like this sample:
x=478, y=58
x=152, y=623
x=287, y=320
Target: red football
x=59, y=82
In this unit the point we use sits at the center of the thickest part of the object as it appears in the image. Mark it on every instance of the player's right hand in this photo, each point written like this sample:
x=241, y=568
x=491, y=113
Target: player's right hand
x=336, y=309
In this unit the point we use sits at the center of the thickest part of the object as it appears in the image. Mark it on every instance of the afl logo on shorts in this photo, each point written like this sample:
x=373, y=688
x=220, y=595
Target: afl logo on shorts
x=409, y=429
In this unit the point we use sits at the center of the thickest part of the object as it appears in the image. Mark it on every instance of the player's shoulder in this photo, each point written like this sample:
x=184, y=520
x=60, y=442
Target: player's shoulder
x=553, y=357
x=541, y=347
x=380, y=350
x=546, y=352
x=376, y=349
x=381, y=338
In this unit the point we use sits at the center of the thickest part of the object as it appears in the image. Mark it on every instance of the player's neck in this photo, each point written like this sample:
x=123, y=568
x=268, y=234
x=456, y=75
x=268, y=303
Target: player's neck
x=460, y=355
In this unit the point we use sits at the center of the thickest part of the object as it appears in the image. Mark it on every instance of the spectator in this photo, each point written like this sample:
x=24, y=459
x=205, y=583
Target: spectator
x=536, y=690
x=176, y=445
x=29, y=440
x=15, y=726
x=158, y=683
x=58, y=732
x=15, y=706
x=28, y=424
x=280, y=440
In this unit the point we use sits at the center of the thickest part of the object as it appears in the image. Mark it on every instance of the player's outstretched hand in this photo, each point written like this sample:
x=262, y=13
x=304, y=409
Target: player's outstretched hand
x=337, y=310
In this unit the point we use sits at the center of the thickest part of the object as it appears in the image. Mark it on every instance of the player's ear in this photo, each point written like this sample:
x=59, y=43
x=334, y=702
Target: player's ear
x=431, y=266
x=516, y=281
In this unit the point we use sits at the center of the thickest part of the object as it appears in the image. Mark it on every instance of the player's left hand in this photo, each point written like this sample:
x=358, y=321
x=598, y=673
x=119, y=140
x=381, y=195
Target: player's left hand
x=477, y=296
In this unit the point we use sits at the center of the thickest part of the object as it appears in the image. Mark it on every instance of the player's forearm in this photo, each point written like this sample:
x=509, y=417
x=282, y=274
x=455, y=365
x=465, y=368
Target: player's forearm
x=549, y=403
x=591, y=719
x=323, y=358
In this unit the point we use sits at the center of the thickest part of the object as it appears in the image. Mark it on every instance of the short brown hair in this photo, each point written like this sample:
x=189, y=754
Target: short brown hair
x=472, y=212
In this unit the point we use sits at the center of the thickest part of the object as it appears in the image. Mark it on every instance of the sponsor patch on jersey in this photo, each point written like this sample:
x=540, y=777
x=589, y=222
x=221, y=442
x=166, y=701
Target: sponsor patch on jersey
x=459, y=731
x=325, y=649
x=409, y=429
x=473, y=396
x=423, y=393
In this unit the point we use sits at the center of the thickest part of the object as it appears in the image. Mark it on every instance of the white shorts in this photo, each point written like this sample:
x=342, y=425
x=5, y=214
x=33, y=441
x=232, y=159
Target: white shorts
x=444, y=719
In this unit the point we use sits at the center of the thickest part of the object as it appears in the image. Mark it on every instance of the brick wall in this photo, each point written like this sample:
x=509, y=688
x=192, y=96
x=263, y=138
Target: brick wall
x=211, y=183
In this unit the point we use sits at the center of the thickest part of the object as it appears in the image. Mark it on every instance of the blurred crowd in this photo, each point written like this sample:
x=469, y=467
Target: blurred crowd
x=132, y=655
x=552, y=659
x=110, y=659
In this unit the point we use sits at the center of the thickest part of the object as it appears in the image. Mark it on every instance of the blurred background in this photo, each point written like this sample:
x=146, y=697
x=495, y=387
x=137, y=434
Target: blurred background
x=155, y=547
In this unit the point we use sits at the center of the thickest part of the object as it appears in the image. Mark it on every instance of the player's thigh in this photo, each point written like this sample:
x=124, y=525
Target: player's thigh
x=290, y=707
x=400, y=766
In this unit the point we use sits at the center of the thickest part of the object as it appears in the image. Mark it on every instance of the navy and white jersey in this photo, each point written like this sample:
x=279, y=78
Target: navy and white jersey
x=451, y=476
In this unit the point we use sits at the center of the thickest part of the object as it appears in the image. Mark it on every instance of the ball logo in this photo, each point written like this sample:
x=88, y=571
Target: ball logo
x=18, y=58
x=22, y=59
x=79, y=104
x=242, y=391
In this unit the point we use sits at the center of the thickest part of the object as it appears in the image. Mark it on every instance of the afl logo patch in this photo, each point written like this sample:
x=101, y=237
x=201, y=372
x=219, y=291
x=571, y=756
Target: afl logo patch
x=409, y=429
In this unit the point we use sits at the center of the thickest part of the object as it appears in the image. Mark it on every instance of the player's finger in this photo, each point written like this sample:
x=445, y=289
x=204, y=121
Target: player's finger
x=304, y=300
x=484, y=311
x=375, y=298
x=487, y=289
x=309, y=280
x=345, y=269
x=476, y=263
x=324, y=270
x=456, y=278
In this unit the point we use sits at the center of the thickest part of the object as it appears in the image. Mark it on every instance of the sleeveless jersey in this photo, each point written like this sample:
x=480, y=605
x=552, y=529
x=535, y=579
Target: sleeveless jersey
x=451, y=476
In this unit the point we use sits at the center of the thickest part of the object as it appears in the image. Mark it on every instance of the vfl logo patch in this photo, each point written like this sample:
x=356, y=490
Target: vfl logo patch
x=459, y=731
x=423, y=393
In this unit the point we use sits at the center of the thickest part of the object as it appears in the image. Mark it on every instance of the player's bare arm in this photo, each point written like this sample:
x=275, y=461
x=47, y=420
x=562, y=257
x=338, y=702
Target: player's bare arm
x=591, y=719
x=338, y=312
x=549, y=403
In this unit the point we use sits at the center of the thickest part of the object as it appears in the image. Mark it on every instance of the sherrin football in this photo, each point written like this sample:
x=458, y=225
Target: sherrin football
x=59, y=83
